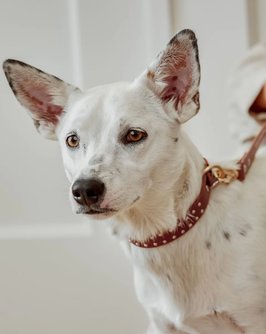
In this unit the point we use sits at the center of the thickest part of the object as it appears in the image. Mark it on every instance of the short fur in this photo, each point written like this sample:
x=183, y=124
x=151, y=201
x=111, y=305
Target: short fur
x=212, y=279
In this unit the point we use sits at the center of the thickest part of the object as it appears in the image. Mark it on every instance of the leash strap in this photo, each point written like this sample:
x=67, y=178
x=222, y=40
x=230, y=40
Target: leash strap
x=246, y=161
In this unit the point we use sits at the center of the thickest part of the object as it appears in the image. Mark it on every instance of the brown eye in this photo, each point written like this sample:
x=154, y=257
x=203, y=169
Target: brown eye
x=72, y=141
x=135, y=135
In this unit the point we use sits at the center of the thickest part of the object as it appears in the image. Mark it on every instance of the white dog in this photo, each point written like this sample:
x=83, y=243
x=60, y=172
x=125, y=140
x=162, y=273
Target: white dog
x=127, y=157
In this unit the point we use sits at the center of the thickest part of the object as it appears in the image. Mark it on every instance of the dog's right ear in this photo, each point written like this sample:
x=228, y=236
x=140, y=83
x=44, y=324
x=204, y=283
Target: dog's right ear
x=174, y=76
x=44, y=95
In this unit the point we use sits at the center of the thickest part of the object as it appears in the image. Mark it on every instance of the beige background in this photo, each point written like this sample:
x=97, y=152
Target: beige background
x=60, y=274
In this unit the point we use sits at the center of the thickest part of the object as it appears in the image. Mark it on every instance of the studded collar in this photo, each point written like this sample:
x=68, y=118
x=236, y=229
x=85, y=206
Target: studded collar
x=194, y=213
x=212, y=176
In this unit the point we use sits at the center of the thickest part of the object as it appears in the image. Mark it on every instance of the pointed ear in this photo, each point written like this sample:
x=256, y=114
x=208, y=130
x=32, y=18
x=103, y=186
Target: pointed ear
x=44, y=95
x=174, y=76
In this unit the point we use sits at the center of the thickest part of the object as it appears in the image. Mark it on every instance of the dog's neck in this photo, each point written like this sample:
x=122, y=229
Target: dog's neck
x=170, y=196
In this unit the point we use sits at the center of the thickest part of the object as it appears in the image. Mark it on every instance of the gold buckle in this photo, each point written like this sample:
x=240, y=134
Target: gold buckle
x=223, y=175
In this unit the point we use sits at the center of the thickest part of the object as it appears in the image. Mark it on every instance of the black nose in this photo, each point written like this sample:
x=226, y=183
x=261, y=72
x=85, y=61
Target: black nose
x=87, y=191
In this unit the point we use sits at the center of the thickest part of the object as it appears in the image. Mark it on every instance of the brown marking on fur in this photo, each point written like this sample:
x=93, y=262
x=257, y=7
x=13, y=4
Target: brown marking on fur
x=171, y=328
x=185, y=186
x=243, y=233
x=169, y=278
x=227, y=235
x=150, y=74
x=208, y=244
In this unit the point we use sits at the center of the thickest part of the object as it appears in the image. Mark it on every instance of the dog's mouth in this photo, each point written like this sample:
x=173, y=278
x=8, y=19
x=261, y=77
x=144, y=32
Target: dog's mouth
x=96, y=211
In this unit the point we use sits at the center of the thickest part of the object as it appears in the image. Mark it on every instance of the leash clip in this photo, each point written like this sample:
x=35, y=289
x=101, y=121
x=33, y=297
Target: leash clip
x=223, y=175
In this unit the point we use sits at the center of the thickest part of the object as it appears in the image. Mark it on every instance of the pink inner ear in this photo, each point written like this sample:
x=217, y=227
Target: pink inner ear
x=39, y=101
x=178, y=80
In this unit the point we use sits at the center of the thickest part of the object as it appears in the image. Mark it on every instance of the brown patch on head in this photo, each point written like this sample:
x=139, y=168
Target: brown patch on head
x=150, y=74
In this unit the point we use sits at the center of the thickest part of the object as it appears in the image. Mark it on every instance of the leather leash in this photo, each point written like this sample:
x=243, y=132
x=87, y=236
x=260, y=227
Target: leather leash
x=212, y=176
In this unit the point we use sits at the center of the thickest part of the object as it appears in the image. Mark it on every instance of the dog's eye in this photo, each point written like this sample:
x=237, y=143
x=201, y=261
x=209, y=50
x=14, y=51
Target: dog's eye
x=134, y=136
x=72, y=141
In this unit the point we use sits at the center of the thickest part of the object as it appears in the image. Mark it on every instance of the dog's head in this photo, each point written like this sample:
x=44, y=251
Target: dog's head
x=116, y=139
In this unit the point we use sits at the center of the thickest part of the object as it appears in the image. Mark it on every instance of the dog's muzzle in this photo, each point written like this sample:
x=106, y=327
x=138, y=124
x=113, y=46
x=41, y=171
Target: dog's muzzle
x=88, y=192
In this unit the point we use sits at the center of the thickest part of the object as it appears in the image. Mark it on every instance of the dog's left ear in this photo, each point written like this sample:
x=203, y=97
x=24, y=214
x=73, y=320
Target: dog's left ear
x=43, y=95
x=174, y=76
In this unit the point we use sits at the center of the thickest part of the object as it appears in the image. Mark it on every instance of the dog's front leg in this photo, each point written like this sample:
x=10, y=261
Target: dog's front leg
x=156, y=328
x=169, y=329
x=160, y=325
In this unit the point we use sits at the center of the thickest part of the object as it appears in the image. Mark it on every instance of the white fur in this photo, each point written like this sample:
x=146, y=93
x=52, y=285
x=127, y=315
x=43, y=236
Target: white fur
x=184, y=281
x=212, y=279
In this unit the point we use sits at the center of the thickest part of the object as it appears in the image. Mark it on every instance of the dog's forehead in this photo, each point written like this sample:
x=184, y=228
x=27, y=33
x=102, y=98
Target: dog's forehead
x=109, y=105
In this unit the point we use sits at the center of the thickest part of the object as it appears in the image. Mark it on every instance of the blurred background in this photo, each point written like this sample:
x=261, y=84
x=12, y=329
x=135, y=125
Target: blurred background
x=60, y=274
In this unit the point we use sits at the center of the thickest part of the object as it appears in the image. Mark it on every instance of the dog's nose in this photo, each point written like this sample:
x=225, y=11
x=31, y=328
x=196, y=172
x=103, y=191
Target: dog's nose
x=87, y=191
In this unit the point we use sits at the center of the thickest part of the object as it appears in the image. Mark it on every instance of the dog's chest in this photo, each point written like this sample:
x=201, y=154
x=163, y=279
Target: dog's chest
x=177, y=286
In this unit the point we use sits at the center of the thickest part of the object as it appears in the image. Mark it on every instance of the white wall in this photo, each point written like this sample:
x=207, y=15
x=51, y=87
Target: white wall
x=257, y=10
x=33, y=187
x=222, y=31
x=261, y=10
x=59, y=276
x=121, y=37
